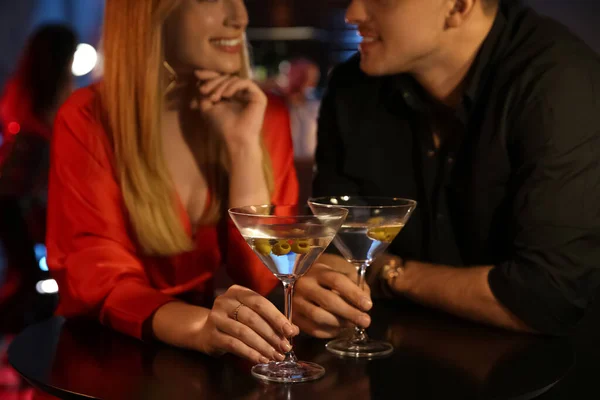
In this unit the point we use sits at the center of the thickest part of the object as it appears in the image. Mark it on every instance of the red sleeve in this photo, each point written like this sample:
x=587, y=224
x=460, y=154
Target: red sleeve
x=90, y=252
x=278, y=140
x=243, y=265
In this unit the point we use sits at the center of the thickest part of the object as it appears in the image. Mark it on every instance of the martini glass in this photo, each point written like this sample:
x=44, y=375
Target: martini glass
x=288, y=244
x=371, y=225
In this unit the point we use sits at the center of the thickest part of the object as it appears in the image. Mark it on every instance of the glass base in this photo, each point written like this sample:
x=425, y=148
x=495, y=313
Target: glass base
x=288, y=371
x=347, y=347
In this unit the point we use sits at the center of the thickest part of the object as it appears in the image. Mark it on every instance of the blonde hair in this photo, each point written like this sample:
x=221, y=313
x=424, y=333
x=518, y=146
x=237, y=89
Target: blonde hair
x=133, y=99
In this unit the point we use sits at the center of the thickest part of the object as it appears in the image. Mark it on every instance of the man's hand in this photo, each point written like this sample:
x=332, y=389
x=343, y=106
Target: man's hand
x=328, y=300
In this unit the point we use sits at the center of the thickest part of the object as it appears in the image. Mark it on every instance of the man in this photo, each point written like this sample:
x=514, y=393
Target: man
x=488, y=115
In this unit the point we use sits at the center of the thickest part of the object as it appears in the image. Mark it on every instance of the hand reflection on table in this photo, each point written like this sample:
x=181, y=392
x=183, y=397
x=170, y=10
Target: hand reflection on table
x=489, y=362
x=437, y=356
x=182, y=375
x=179, y=375
x=438, y=338
x=344, y=379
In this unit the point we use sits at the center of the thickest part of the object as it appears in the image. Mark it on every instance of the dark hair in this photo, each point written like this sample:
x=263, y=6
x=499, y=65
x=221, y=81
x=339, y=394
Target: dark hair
x=44, y=67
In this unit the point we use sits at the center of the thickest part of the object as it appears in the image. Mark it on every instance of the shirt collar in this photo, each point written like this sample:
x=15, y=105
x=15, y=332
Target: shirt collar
x=486, y=56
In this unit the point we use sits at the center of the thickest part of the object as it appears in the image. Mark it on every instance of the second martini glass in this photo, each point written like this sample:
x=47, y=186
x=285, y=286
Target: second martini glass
x=371, y=225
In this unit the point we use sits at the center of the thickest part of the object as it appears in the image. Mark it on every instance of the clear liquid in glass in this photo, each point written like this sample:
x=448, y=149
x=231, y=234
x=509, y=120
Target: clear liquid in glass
x=288, y=250
x=361, y=243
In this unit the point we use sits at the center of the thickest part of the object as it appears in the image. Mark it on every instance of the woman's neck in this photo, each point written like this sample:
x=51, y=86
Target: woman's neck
x=178, y=96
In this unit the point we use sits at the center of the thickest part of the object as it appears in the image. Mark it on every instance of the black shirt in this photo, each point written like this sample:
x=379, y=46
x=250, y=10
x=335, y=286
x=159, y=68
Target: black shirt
x=516, y=184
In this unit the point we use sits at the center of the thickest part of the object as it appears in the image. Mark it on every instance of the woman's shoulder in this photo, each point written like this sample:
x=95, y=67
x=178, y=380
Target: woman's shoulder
x=81, y=119
x=83, y=103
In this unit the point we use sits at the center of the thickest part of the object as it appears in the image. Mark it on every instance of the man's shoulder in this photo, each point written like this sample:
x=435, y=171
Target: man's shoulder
x=538, y=43
x=540, y=56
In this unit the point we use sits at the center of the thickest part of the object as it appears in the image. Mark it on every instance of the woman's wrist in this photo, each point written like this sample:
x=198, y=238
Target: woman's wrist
x=247, y=181
x=244, y=151
x=179, y=324
x=246, y=160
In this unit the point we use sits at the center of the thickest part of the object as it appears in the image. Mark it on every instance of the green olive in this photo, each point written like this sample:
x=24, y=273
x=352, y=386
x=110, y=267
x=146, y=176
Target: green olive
x=281, y=248
x=377, y=234
x=263, y=247
x=301, y=246
x=384, y=234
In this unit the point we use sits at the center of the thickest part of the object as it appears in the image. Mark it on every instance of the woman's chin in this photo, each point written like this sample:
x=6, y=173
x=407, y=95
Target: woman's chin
x=230, y=71
x=225, y=67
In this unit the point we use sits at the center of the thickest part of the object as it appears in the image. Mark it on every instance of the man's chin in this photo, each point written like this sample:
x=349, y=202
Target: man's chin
x=373, y=67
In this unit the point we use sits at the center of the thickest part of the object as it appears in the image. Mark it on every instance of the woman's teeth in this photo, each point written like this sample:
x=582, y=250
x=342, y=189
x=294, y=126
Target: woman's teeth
x=227, y=42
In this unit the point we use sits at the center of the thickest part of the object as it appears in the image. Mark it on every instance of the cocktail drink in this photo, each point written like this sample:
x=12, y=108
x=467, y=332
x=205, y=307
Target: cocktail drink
x=371, y=225
x=288, y=244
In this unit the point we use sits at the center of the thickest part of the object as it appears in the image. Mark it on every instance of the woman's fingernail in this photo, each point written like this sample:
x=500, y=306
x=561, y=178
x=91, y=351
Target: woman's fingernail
x=264, y=360
x=279, y=356
x=366, y=304
x=286, y=346
x=288, y=330
x=364, y=321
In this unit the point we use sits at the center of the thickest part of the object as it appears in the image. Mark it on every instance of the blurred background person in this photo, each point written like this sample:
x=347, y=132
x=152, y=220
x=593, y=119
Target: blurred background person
x=298, y=84
x=31, y=98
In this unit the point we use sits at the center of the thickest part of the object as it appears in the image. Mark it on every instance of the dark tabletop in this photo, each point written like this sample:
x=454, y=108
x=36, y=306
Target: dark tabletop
x=436, y=357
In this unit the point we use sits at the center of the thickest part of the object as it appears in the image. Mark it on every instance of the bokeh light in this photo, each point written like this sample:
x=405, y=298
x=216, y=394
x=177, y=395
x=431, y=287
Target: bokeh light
x=14, y=128
x=84, y=60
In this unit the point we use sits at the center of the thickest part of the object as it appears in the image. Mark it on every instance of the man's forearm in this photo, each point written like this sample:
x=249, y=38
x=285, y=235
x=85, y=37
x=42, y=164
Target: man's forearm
x=464, y=292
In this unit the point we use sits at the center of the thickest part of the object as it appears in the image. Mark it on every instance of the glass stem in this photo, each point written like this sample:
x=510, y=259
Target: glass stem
x=360, y=335
x=288, y=287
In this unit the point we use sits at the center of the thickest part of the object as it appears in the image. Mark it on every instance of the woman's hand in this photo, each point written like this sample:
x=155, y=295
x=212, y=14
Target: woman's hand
x=244, y=323
x=233, y=106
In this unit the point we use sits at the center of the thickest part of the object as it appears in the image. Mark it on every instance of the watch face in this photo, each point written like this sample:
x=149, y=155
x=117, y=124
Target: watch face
x=388, y=272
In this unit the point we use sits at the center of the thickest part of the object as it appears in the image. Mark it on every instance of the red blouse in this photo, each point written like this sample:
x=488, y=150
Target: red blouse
x=91, y=252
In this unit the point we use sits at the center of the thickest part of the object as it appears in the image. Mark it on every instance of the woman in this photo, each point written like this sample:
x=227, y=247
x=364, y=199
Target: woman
x=145, y=165
x=41, y=83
